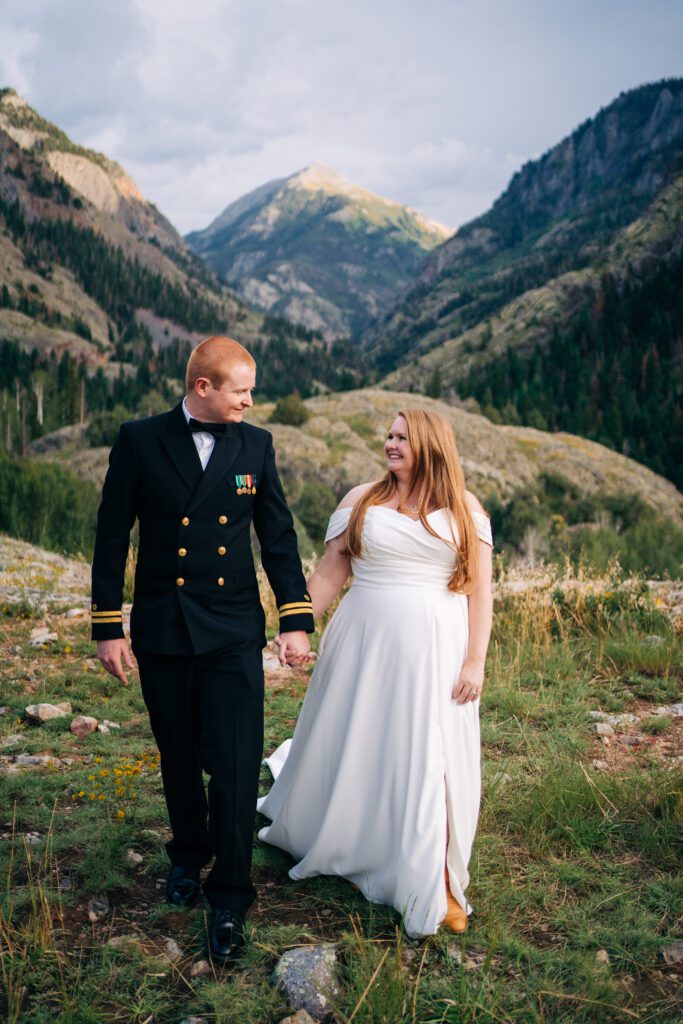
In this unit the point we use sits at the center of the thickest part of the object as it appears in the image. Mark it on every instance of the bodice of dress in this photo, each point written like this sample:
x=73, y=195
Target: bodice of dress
x=399, y=552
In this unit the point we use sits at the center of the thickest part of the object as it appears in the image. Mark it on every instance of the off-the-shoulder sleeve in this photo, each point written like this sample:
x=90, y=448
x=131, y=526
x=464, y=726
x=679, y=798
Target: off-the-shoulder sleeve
x=483, y=524
x=339, y=520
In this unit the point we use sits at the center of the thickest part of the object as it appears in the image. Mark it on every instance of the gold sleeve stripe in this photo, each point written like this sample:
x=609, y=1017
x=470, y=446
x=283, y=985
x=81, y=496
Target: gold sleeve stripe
x=297, y=611
x=103, y=622
x=111, y=611
x=295, y=604
x=107, y=618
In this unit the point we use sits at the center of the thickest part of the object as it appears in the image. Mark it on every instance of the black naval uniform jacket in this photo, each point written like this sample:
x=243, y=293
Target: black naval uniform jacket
x=195, y=582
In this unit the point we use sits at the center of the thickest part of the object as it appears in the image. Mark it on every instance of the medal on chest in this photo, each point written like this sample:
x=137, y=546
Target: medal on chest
x=245, y=483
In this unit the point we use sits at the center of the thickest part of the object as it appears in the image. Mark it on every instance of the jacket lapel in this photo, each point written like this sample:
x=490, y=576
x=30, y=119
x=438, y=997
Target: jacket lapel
x=222, y=457
x=179, y=446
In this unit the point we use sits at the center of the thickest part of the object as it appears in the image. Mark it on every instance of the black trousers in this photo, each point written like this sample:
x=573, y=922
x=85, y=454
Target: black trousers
x=206, y=712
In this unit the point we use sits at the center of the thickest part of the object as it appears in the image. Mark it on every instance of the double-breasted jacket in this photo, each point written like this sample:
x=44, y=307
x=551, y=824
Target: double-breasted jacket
x=195, y=582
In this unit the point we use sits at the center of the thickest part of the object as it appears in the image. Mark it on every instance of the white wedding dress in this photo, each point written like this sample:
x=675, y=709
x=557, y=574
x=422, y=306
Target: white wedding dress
x=383, y=763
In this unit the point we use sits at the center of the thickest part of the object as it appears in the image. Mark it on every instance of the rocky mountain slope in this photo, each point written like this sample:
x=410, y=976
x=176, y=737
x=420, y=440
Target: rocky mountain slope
x=101, y=299
x=564, y=219
x=562, y=308
x=317, y=249
x=85, y=260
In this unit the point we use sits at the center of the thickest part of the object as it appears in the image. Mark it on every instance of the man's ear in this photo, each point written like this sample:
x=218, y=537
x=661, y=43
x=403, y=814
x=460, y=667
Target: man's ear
x=201, y=386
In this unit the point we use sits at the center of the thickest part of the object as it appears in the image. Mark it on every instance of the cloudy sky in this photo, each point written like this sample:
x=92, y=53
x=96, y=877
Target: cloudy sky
x=433, y=103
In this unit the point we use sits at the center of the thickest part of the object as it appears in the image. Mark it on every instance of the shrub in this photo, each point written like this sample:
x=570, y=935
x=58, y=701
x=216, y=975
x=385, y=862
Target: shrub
x=314, y=508
x=104, y=426
x=290, y=410
x=47, y=505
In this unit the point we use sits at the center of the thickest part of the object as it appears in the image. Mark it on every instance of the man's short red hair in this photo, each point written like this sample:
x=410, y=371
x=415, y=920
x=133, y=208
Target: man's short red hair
x=214, y=358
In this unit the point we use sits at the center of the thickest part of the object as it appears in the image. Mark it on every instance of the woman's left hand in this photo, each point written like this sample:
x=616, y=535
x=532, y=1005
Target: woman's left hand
x=470, y=682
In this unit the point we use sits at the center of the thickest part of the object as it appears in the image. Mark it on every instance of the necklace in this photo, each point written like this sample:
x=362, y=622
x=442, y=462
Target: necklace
x=407, y=509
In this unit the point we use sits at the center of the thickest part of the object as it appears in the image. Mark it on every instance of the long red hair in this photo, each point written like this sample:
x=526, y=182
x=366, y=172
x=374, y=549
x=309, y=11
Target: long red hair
x=438, y=475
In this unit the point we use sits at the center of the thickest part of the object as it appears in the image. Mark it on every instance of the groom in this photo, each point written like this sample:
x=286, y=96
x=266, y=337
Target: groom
x=196, y=478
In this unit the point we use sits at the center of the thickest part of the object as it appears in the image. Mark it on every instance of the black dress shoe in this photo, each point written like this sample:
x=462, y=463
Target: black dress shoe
x=182, y=886
x=226, y=935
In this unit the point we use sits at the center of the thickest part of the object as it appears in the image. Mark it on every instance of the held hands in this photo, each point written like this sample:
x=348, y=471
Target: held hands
x=470, y=682
x=114, y=654
x=293, y=648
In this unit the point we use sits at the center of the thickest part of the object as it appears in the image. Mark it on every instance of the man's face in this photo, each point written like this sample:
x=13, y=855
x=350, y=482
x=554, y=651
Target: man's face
x=227, y=404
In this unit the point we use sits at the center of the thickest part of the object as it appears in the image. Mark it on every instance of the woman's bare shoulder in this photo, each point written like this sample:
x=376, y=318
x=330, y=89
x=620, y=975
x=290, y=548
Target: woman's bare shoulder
x=474, y=504
x=355, y=494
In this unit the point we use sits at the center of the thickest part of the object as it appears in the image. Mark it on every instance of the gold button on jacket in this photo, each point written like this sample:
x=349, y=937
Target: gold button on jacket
x=180, y=581
x=182, y=552
x=220, y=581
x=222, y=550
x=185, y=521
x=222, y=520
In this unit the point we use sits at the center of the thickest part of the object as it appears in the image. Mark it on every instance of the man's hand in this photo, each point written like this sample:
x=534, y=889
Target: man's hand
x=293, y=648
x=114, y=654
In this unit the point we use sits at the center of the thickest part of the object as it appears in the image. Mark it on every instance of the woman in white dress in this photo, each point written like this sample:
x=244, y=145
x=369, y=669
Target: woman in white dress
x=381, y=782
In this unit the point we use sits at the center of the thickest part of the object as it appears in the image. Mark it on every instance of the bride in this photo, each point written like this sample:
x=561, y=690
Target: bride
x=380, y=783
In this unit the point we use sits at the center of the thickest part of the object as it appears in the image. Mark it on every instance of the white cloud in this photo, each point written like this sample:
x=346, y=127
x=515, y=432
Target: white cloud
x=433, y=103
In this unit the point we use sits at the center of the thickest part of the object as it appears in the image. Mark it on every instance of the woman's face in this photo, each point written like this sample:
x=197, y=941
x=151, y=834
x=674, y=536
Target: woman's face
x=397, y=449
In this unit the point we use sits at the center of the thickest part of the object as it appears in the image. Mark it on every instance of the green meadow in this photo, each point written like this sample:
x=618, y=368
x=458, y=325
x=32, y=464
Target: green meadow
x=576, y=874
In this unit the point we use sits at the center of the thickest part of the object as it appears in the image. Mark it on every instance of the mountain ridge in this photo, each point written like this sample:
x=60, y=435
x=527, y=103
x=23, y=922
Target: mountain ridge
x=558, y=214
x=317, y=249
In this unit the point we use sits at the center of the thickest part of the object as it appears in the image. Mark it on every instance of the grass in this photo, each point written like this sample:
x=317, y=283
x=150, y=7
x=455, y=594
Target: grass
x=575, y=877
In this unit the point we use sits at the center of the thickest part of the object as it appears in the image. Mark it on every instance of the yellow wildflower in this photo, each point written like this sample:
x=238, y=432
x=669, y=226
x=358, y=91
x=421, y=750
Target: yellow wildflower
x=120, y=814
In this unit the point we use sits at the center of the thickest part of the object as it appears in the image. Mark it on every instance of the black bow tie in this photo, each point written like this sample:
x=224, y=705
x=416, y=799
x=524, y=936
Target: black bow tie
x=217, y=429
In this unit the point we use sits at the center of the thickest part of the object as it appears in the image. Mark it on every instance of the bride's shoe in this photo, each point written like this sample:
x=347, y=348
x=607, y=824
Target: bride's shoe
x=456, y=918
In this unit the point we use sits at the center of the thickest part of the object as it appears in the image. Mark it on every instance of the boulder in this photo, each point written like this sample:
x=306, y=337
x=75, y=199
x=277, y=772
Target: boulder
x=300, y=1017
x=200, y=969
x=305, y=976
x=31, y=760
x=46, y=712
x=673, y=954
x=83, y=725
x=172, y=950
x=98, y=908
x=602, y=728
x=43, y=639
x=117, y=941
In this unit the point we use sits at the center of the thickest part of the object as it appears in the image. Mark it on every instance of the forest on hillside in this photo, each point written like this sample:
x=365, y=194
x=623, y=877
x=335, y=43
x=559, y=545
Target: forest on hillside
x=613, y=374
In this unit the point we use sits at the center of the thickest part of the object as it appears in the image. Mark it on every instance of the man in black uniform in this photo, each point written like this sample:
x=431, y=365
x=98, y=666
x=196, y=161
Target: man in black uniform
x=196, y=478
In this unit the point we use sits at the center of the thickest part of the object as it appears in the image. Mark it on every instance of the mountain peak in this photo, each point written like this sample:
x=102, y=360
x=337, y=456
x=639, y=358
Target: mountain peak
x=318, y=250
x=11, y=98
x=318, y=177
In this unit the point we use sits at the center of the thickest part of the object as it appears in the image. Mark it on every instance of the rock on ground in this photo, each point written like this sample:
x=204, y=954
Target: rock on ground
x=83, y=725
x=300, y=1017
x=673, y=954
x=172, y=950
x=602, y=728
x=200, y=968
x=45, y=712
x=98, y=908
x=306, y=978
